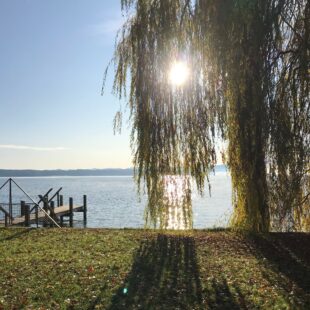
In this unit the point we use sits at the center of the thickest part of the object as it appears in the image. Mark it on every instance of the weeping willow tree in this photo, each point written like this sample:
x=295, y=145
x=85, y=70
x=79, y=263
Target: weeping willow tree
x=248, y=85
x=289, y=148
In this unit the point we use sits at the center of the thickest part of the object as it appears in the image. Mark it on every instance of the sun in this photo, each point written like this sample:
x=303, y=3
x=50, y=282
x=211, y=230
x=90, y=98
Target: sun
x=179, y=73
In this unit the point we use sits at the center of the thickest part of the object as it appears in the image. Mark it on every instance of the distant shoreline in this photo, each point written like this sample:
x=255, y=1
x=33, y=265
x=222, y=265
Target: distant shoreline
x=65, y=173
x=76, y=172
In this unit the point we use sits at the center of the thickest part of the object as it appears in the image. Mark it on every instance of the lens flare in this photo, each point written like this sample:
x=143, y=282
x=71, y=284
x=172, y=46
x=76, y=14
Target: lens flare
x=179, y=73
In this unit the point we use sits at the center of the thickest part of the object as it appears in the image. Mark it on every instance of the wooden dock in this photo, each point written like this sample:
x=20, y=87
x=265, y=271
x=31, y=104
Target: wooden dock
x=48, y=211
x=40, y=215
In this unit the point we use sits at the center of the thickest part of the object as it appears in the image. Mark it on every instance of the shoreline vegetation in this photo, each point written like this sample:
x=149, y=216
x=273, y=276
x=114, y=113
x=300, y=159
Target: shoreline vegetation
x=147, y=269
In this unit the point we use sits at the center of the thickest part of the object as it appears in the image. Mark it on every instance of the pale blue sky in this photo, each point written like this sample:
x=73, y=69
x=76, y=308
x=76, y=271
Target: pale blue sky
x=52, y=58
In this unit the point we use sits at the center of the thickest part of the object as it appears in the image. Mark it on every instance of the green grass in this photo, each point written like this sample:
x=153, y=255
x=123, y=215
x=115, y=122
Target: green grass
x=136, y=269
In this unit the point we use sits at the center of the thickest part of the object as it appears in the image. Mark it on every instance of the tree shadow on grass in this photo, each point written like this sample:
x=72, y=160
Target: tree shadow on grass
x=288, y=256
x=17, y=234
x=164, y=275
x=219, y=296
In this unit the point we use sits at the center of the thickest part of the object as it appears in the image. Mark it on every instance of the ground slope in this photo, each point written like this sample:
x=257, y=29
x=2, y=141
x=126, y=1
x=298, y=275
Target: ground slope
x=136, y=269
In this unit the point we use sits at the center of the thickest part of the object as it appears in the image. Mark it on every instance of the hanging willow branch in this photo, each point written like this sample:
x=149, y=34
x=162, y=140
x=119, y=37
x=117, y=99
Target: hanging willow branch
x=248, y=85
x=290, y=121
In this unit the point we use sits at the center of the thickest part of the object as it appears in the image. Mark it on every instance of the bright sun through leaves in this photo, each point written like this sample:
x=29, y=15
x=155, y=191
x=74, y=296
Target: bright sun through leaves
x=179, y=73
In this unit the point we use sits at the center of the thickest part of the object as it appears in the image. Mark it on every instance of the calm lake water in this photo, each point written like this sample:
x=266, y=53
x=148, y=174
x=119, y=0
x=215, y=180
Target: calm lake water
x=113, y=202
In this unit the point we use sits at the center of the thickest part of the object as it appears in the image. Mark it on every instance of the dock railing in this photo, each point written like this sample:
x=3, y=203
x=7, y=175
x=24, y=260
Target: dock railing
x=47, y=212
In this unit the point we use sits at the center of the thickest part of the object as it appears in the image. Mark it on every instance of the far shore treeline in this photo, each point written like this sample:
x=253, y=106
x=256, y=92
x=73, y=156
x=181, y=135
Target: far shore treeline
x=76, y=172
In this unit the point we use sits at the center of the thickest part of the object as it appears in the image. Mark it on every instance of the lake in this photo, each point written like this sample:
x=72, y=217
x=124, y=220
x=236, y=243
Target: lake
x=113, y=201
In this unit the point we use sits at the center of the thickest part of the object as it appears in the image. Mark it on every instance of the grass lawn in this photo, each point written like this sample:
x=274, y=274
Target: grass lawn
x=136, y=269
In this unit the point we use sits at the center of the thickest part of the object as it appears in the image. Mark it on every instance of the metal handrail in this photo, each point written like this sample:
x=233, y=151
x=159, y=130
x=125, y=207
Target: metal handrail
x=5, y=212
x=57, y=192
x=36, y=204
x=15, y=204
x=8, y=180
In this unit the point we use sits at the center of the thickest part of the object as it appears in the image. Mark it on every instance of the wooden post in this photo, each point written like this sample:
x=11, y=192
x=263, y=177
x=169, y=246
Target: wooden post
x=52, y=214
x=61, y=200
x=37, y=215
x=27, y=215
x=52, y=206
x=58, y=200
x=10, y=202
x=6, y=220
x=45, y=204
x=71, y=211
x=85, y=208
x=22, y=208
x=45, y=208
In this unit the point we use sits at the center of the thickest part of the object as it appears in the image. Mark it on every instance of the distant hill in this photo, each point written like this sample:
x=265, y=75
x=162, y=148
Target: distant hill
x=77, y=172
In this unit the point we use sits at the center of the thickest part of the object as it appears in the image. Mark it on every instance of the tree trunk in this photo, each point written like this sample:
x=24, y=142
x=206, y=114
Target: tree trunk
x=247, y=141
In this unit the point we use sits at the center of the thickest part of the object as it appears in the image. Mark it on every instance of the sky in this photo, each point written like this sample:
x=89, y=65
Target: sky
x=52, y=60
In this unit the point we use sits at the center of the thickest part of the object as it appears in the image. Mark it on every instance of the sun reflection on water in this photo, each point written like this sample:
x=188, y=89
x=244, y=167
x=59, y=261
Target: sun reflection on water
x=177, y=202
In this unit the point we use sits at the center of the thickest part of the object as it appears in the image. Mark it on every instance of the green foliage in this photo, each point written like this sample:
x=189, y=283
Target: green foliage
x=249, y=85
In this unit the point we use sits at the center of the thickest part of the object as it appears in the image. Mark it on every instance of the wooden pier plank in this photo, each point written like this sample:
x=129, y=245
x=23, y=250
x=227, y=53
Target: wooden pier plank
x=59, y=211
